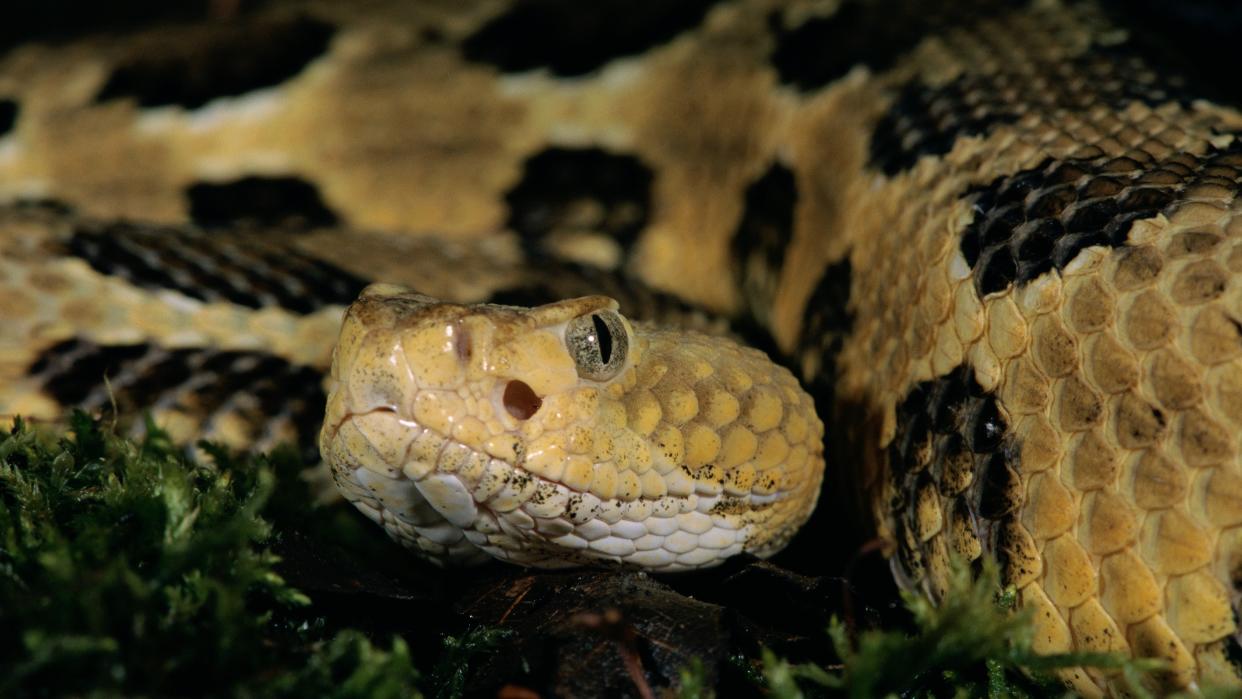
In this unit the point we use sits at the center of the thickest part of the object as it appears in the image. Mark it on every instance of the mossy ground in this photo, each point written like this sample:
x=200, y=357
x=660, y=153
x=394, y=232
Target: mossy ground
x=130, y=569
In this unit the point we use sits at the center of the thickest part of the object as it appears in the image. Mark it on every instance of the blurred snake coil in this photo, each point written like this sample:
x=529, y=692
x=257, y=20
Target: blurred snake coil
x=992, y=242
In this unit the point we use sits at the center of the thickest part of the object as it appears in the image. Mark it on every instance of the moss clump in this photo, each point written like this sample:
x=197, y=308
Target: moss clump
x=973, y=645
x=129, y=569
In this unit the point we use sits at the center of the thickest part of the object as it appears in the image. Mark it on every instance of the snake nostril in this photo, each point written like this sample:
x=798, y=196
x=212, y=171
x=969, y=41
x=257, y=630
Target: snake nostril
x=520, y=400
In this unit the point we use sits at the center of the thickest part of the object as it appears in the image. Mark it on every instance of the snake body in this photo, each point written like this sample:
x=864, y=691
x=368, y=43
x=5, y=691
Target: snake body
x=994, y=241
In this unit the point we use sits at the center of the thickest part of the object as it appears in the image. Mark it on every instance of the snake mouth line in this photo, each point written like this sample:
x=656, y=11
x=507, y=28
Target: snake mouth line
x=751, y=500
x=514, y=514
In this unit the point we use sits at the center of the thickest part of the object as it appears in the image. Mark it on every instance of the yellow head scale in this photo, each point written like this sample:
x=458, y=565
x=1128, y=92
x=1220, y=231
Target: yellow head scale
x=564, y=434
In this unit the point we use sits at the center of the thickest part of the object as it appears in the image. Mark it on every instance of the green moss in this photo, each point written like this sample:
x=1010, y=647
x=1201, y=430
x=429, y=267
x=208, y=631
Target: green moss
x=453, y=669
x=973, y=645
x=692, y=682
x=129, y=569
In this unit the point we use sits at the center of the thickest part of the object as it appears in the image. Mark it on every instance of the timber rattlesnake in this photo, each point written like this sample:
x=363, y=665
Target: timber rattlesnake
x=995, y=241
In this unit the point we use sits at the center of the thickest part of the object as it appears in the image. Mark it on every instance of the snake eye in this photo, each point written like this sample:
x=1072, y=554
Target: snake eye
x=599, y=344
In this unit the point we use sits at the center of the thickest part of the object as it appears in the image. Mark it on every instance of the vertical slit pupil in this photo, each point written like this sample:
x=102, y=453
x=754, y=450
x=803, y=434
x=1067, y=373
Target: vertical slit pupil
x=604, y=337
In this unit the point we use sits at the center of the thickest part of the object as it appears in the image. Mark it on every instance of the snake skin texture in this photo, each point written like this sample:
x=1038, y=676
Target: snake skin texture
x=997, y=243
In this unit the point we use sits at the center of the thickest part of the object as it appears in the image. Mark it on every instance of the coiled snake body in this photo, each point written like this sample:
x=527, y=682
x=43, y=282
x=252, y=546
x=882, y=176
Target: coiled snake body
x=995, y=242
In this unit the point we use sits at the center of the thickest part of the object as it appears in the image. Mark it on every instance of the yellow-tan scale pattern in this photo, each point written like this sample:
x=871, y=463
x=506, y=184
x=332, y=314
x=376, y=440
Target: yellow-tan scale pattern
x=1118, y=376
x=344, y=124
x=697, y=449
x=47, y=296
x=1123, y=533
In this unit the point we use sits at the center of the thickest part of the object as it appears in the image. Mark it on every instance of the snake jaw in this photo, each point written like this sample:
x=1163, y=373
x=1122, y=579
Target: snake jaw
x=462, y=429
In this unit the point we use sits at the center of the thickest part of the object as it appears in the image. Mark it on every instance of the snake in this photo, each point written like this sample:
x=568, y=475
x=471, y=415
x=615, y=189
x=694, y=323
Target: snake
x=498, y=264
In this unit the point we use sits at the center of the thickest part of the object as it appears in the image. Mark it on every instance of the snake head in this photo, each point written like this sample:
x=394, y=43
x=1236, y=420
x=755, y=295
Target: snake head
x=563, y=434
x=397, y=346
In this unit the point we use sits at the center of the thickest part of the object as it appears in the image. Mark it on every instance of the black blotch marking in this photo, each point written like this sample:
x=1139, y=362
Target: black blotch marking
x=926, y=120
x=913, y=562
x=1119, y=74
x=240, y=269
x=8, y=116
x=42, y=205
x=987, y=428
x=580, y=189
x=83, y=369
x=763, y=236
x=1012, y=547
x=871, y=33
x=999, y=489
x=546, y=280
x=556, y=280
x=945, y=426
x=1233, y=650
x=287, y=201
x=57, y=21
x=1037, y=220
x=191, y=69
x=574, y=38
x=826, y=321
x=200, y=382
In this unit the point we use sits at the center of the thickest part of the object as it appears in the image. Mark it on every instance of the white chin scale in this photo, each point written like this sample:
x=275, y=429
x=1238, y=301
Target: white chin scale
x=495, y=510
